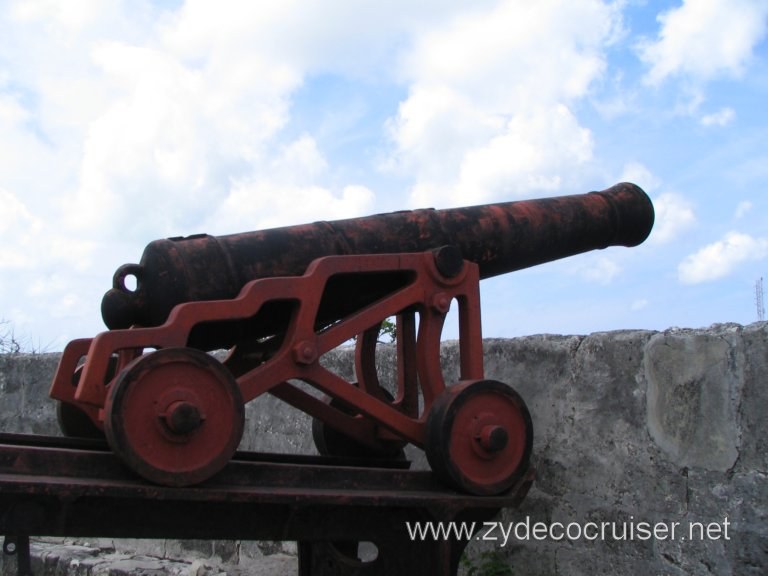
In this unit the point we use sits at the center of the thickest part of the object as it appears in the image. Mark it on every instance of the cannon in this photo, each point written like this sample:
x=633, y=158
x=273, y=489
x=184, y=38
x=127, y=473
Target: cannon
x=275, y=301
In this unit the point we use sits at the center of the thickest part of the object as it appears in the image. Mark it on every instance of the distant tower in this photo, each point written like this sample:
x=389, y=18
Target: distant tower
x=759, y=299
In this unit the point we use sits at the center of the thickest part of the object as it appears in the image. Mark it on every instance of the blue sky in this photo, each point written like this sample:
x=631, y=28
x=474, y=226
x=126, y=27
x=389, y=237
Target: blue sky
x=125, y=122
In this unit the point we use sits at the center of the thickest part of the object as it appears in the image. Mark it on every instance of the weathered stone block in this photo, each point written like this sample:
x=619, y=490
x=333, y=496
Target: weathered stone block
x=694, y=391
x=630, y=426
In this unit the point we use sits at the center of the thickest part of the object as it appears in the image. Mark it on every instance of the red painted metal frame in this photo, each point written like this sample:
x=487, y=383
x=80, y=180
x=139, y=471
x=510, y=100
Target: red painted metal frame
x=427, y=295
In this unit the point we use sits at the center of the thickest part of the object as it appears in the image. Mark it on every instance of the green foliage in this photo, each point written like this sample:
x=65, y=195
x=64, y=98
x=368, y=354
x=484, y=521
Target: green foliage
x=487, y=563
x=388, y=329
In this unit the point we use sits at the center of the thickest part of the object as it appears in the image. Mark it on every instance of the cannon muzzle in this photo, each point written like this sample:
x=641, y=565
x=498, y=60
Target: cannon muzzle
x=500, y=238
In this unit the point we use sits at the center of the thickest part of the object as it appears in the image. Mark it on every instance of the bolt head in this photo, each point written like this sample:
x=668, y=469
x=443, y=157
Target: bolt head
x=305, y=353
x=493, y=438
x=441, y=303
x=183, y=418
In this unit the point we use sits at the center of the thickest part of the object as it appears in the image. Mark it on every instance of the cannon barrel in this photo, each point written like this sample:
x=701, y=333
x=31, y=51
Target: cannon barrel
x=500, y=238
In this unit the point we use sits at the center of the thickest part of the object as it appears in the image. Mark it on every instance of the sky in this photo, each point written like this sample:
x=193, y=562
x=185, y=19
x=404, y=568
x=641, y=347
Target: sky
x=124, y=122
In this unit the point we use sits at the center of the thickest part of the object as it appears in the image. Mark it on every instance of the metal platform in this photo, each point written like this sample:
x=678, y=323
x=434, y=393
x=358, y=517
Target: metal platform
x=52, y=486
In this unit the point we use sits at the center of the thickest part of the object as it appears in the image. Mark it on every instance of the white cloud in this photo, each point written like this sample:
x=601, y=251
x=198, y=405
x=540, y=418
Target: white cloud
x=512, y=54
x=29, y=242
x=744, y=207
x=123, y=122
x=164, y=112
x=61, y=15
x=638, y=305
x=488, y=113
x=433, y=128
x=350, y=37
x=674, y=215
x=262, y=204
x=18, y=229
x=600, y=270
x=720, y=258
x=617, y=97
x=283, y=194
x=532, y=154
x=173, y=136
x=722, y=117
x=705, y=38
x=639, y=174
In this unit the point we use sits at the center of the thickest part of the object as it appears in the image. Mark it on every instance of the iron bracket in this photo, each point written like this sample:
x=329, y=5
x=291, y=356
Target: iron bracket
x=18, y=545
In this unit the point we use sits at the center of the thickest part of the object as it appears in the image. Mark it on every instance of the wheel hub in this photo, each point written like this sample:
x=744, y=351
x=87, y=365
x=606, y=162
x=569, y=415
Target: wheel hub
x=493, y=438
x=183, y=418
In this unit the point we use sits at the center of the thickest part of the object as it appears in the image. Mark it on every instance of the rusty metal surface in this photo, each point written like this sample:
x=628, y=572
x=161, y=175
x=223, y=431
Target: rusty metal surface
x=58, y=487
x=73, y=469
x=280, y=299
x=479, y=435
x=176, y=415
x=415, y=286
x=500, y=238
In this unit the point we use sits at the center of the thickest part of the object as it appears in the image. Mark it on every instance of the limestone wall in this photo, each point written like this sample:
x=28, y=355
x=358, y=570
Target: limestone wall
x=642, y=440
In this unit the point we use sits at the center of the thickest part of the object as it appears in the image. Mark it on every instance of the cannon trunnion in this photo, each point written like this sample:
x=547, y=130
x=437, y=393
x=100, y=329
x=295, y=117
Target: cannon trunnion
x=278, y=300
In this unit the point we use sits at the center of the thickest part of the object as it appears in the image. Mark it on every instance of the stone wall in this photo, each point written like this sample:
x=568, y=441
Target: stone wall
x=649, y=448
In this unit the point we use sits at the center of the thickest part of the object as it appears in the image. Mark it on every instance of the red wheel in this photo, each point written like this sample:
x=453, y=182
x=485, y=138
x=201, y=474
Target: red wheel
x=479, y=437
x=75, y=422
x=175, y=416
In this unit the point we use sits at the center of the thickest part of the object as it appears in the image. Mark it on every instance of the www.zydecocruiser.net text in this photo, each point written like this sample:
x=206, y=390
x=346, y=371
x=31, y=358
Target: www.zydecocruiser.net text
x=503, y=533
